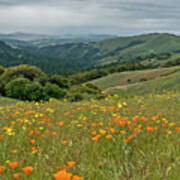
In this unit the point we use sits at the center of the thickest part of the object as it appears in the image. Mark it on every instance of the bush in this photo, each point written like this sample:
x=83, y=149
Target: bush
x=2, y=70
x=75, y=97
x=1, y=87
x=16, y=88
x=24, y=71
x=62, y=82
x=92, y=86
x=143, y=79
x=33, y=91
x=53, y=91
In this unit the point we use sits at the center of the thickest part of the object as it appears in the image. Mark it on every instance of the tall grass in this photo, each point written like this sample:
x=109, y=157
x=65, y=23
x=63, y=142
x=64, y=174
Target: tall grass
x=111, y=139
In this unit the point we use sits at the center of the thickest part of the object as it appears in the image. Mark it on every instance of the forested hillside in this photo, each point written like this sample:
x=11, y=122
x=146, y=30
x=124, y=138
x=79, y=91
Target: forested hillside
x=151, y=50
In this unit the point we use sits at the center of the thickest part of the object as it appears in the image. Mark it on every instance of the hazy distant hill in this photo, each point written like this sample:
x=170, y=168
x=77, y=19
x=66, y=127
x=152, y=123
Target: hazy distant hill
x=38, y=40
x=148, y=49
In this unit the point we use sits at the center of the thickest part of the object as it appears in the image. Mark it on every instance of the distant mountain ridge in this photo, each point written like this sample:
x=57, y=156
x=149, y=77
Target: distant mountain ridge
x=41, y=40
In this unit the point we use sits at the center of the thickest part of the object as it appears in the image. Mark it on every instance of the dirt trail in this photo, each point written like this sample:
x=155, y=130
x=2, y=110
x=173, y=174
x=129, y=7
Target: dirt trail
x=123, y=87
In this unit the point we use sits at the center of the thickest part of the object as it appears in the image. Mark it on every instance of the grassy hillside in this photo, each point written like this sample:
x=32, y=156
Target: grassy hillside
x=112, y=139
x=7, y=101
x=152, y=50
x=136, y=48
x=141, y=82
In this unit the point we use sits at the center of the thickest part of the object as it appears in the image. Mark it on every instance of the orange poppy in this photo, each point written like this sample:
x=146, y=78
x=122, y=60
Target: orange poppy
x=109, y=136
x=96, y=137
x=61, y=123
x=71, y=164
x=14, y=151
x=102, y=131
x=62, y=175
x=76, y=178
x=16, y=175
x=64, y=142
x=2, y=168
x=150, y=129
x=13, y=165
x=93, y=132
x=33, y=141
x=28, y=170
x=122, y=132
x=112, y=130
x=168, y=131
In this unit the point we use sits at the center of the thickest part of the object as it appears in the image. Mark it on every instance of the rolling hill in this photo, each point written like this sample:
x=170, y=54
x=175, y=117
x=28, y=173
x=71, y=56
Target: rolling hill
x=119, y=50
x=152, y=50
x=142, y=82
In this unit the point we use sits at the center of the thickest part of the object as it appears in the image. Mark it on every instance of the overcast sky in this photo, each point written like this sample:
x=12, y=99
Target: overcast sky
x=123, y=17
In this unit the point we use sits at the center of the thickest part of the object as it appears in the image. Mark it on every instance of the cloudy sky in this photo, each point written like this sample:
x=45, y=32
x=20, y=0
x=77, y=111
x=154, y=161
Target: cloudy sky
x=123, y=17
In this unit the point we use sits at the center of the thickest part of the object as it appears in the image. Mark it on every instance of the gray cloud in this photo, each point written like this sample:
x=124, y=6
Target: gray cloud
x=124, y=17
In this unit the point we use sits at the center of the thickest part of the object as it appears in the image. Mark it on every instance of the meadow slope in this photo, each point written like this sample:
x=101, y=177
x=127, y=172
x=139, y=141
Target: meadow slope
x=111, y=139
x=141, y=82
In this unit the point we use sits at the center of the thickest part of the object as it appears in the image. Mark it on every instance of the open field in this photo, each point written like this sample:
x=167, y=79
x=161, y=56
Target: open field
x=7, y=101
x=111, y=139
x=141, y=82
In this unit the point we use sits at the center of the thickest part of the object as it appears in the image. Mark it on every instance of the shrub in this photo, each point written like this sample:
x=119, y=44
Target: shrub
x=53, y=91
x=1, y=87
x=2, y=70
x=74, y=97
x=62, y=82
x=24, y=71
x=33, y=91
x=88, y=89
x=16, y=88
x=143, y=79
x=92, y=86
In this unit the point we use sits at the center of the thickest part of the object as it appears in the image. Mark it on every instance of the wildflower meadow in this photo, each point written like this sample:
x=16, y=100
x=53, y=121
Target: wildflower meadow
x=110, y=139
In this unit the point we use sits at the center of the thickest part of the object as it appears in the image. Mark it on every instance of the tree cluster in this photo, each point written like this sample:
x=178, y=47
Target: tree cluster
x=26, y=82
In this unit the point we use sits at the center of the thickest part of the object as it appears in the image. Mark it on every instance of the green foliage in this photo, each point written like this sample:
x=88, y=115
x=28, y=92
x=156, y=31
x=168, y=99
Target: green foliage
x=1, y=87
x=30, y=83
x=143, y=79
x=62, y=82
x=142, y=82
x=79, y=92
x=24, y=71
x=128, y=80
x=172, y=63
x=33, y=91
x=72, y=58
x=74, y=97
x=16, y=88
x=52, y=90
x=89, y=75
x=2, y=69
x=92, y=86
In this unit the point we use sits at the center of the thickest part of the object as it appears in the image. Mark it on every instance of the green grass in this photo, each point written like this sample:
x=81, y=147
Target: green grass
x=141, y=82
x=7, y=101
x=159, y=85
x=148, y=155
x=142, y=125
